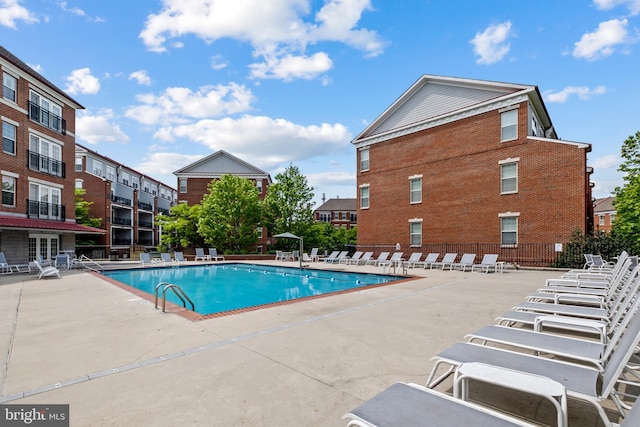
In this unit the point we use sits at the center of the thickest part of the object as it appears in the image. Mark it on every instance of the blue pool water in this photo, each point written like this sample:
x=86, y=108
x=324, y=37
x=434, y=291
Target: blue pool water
x=223, y=287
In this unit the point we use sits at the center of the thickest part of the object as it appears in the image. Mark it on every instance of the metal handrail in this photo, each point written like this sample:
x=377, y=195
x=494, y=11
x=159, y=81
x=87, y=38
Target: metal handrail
x=84, y=258
x=177, y=290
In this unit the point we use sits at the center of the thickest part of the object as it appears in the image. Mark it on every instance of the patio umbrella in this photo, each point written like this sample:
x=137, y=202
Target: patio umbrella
x=288, y=235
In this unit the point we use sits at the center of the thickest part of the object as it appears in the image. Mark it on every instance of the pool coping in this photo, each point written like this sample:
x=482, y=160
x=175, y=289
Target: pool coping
x=195, y=317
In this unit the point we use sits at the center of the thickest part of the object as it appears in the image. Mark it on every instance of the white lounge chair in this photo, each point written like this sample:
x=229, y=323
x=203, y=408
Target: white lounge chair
x=213, y=252
x=353, y=258
x=314, y=255
x=366, y=257
x=430, y=259
x=383, y=256
x=200, y=255
x=467, y=260
x=166, y=257
x=488, y=261
x=414, y=259
x=448, y=259
x=340, y=258
x=179, y=257
x=47, y=271
x=331, y=257
x=396, y=259
x=5, y=267
x=145, y=259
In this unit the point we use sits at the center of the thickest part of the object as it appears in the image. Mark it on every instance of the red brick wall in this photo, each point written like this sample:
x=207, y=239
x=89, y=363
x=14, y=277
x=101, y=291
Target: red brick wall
x=461, y=196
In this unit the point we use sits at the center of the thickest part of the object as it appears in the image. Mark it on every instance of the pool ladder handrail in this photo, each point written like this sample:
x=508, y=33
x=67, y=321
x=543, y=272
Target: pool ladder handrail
x=177, y=290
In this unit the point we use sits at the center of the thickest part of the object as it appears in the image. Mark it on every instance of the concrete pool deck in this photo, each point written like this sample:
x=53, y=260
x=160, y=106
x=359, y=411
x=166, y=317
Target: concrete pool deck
x=116, y=360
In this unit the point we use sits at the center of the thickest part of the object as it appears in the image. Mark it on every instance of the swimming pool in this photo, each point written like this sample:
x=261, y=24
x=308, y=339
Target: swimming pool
x=224, y=287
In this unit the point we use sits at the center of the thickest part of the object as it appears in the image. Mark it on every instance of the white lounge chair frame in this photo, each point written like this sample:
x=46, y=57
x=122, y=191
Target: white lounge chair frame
x=47, y=271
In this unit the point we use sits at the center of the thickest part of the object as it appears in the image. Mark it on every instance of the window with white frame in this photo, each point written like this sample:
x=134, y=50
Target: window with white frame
x=8, y=190
x=145, y=186
x=364, y=160
x=259, y=185
x=612, y=217
x=509, y=125
x=9, y=87
x=45, y=155
x=125, y=178
x=97, y=168
x=259, y=231
x=45, y=111
x=508, y=177
x=415, y=189
x=364, y=197
x=45, y=201
x=8, y=137
x=111, y=173
x=509, y=230
x=183, y=185
x=45, y=245
x=135, y=182
x=79, y=164
x=154, y=189
x=600, y=219
x=79, y=184
x=415, y=232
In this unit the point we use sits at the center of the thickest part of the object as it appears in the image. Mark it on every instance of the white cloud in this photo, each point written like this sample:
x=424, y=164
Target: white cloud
x=11, y=12
x=601, y=43
x=141, y=77
x=180, y=105
x=161, y=165
x=97, y=128
x=277, y=30
x=37, y=68
x=263, y=140
x=492, y=45
x=218, y=63
x=606, y=162
x=582, y=92
x=81, y=81
x=78, y=12
x=333, y=178
x=632, y=5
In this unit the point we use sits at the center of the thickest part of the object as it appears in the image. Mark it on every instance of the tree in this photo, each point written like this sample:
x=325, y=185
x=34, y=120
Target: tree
x=180, y=227
x=83, y=207
x=288, y=204
x=231, y=213
x=627, y=201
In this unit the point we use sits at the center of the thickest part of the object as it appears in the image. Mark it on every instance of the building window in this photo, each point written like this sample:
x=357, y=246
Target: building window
x=154, y=189
x=45, y=245
x=183, y=185
x=259, y=230
x=125, y=178
x=509, y=178
x=259, y=185
x=97, y=168
x=324, y=217
x=9, y=87
x=45, y=202
x=135, y=182
x=45, y=156
x=415, y=190
x=600, y=219
x=79, y=164
x=45, y=111
x=612, y=217
x=509, y=125
x=8, y=138
x=111, y=173
x=364, y=197
x=364, y=160
x=415, y=232
x=344, y=216
x=8, y=190
x=79, y=184
x=509, y=230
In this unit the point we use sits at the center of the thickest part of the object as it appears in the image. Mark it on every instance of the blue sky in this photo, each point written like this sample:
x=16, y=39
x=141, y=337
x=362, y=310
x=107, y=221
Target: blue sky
x=280, y=82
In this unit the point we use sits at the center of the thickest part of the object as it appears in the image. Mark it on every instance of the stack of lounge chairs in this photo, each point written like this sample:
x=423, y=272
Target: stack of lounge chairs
x=575, y=338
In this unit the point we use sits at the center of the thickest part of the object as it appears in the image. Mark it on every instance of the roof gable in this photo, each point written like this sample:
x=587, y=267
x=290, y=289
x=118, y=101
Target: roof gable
x=218, y=164
x=435, y=100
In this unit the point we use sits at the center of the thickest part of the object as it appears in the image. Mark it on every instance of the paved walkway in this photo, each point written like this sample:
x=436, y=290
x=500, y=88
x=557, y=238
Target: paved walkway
x=116, y=360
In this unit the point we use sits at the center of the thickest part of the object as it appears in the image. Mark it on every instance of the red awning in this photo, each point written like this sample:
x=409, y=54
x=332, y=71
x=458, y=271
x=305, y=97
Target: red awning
x=46, y=225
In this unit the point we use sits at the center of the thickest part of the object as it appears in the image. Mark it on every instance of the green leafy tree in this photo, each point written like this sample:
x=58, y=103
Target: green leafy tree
x=627, y=197
x=288, y=205
x=180, y=227
x=231, y=213
x=83, y=210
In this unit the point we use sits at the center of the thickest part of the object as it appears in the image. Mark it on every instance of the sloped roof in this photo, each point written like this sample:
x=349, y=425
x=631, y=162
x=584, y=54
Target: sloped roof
x=17, y=62
x=435, y=100
x=44, y=225
x=218, y=164
x=604, y=205
x=339, y=205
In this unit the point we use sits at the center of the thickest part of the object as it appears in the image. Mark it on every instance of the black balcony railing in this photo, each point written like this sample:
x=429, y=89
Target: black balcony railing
x=47, y=118
x=44, y=210
x=163, y=211
x=118, y=241
x=145, y=206
x=121, y=200
x=145, y=224
x=44, y=164
x=121, y=221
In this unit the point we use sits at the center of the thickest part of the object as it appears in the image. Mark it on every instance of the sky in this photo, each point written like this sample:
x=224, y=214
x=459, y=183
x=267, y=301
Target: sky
x=292, y=82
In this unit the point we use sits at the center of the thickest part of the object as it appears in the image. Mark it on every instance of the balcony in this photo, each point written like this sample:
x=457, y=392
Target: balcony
x=42, y=210
x=163, y=211
x=44, y=164
x=46, y=118
x=145, y=206
x=121, y=221
x=121, y=200
x=121, y=242
x=145, y=224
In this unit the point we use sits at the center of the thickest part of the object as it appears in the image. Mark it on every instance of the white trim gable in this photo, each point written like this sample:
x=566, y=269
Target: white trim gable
x=218, y=164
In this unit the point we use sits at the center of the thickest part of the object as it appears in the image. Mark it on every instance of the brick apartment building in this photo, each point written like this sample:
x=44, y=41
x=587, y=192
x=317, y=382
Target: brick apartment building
x=37, y=214
x=604, y=213
x=128, y=202
x=467, y=162
x=194, y=179
x=339, y=212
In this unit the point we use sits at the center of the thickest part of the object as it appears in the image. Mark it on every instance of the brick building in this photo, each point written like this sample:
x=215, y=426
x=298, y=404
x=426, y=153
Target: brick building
x=37, y=214
x=194, y=179
x=604, y=213
x=338, y=212
x=468, y=162
x=127, y=201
